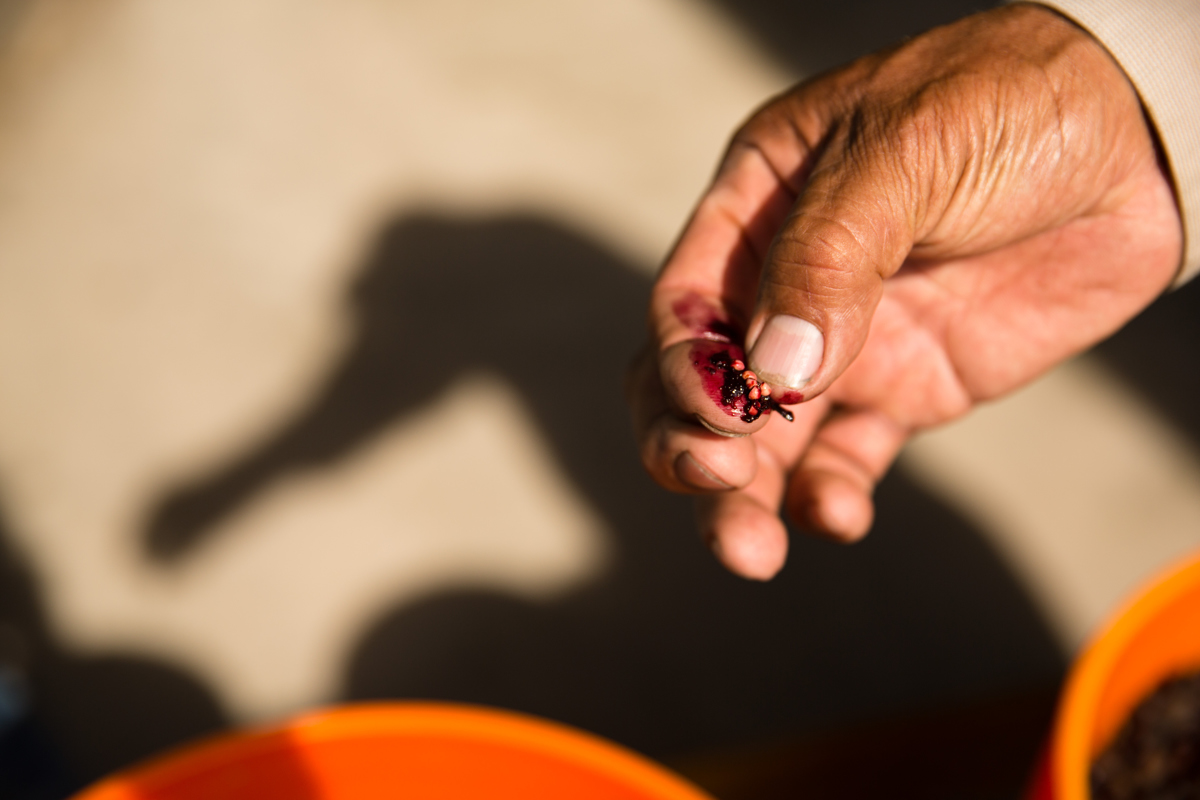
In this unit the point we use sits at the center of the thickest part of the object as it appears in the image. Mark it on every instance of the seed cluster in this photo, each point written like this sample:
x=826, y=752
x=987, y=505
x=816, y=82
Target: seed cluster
x=740, y=382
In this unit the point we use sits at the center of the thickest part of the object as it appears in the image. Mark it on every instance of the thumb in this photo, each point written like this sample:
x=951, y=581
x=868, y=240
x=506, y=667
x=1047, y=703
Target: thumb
x=850, y=229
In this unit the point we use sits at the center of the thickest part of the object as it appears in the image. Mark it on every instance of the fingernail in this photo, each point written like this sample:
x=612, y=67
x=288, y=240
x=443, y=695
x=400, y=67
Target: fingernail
x=696, y=475
x=719, y=431
x=788, y=351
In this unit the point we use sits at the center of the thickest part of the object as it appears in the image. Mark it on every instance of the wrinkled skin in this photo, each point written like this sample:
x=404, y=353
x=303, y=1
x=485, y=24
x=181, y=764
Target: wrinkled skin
x=956, y=216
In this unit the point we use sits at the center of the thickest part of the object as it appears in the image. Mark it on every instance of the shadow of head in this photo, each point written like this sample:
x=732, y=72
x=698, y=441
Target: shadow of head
x=555, y=315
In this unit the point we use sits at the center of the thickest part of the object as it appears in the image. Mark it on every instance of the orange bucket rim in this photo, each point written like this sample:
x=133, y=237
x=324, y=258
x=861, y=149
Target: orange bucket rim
x=365, y=719
x=1071, y=754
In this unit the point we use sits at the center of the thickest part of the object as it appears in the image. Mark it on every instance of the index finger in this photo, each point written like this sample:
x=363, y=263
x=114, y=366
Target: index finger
x=709, y=285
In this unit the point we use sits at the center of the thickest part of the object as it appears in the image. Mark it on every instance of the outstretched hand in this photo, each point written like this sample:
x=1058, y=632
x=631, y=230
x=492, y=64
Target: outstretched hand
x=891, y=243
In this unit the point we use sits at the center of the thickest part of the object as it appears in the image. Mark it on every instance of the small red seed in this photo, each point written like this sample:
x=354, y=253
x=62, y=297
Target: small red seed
x=765, y=389
x=752, y=411
x=738, y=365
x=755, y=393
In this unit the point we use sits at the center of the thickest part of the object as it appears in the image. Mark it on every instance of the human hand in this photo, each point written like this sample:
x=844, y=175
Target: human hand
x=896, y=241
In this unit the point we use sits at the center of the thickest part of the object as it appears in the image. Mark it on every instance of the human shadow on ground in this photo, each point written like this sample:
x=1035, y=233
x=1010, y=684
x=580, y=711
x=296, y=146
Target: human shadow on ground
x=815, y=36
x=665, y=652
x=1158, y=355
x=67, y=719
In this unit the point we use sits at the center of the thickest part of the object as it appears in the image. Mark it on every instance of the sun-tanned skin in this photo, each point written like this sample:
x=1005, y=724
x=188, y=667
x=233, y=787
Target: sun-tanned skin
x=953, y=217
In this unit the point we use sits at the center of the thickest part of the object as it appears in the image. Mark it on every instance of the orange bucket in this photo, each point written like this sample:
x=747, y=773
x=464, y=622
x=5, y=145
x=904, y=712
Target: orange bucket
x=410, y=750
x=1153, y=637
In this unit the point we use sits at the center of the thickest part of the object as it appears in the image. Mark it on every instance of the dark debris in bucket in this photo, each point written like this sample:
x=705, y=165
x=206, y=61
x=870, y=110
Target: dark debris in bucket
x=1156, y=754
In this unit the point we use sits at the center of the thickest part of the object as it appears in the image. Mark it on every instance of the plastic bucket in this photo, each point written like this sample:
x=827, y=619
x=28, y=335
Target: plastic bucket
x=1154, y=636
x=410, y=750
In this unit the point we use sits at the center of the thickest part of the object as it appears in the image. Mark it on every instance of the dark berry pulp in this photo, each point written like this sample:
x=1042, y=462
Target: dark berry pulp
x=730, y=387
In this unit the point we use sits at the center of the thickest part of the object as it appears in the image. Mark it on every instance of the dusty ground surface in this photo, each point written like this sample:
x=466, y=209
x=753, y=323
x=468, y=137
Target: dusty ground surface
x=229, y=231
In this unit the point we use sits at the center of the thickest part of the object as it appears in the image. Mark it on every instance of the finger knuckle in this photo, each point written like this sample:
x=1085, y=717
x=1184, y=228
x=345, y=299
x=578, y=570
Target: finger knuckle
x=822, y=252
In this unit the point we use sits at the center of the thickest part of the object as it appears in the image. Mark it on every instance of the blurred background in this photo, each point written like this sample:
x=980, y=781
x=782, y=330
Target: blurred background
x=312, y=322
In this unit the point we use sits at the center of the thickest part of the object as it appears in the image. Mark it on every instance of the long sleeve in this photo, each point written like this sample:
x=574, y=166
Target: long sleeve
x=1157, y=43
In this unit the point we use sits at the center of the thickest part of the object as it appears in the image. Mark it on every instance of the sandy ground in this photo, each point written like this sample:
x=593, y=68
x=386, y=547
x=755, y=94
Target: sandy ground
x=312, y=317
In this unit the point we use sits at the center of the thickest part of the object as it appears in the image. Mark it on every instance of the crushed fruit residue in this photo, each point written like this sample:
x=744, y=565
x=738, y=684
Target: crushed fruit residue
x=741, y=392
